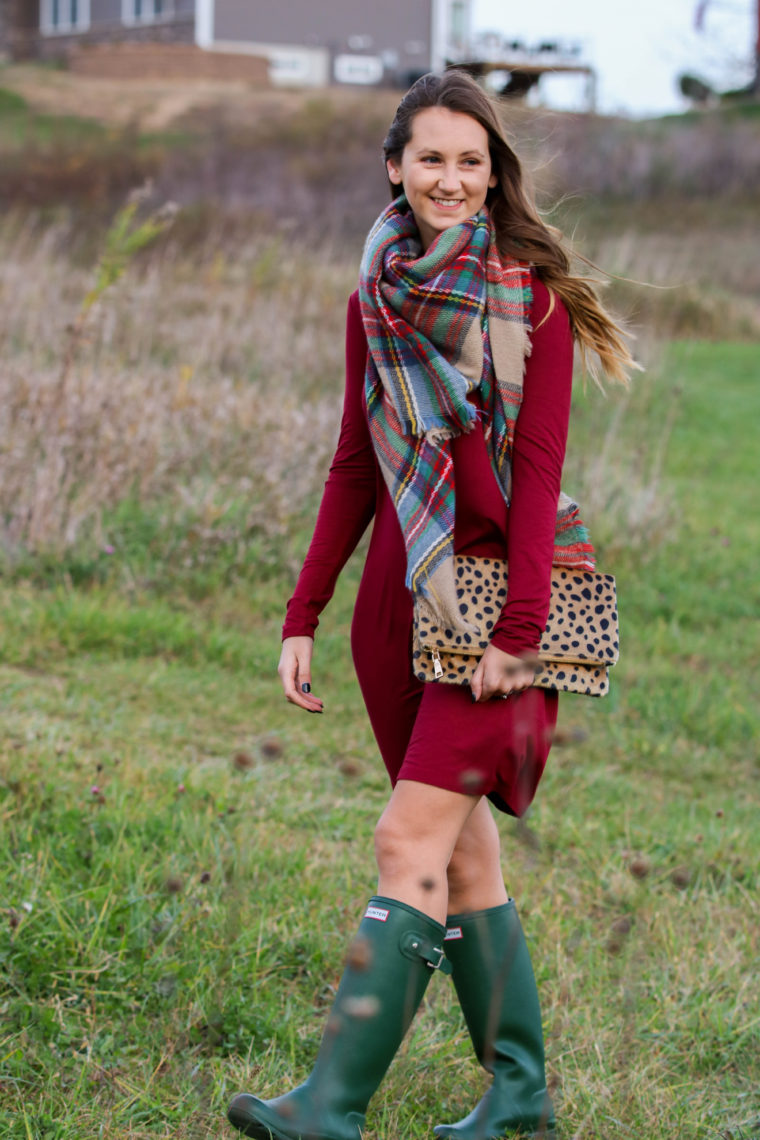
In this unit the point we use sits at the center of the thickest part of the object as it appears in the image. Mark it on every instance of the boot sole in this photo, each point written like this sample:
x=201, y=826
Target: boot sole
x=258, y=1130
x=249, y=1126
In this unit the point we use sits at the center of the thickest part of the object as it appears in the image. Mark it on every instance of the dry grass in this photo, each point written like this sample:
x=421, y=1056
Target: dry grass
x=714, y=155
x=155, y=105
x=698, y=277
x=193, y=386
x=619, y=482
x=205, y=386
x=313, y=161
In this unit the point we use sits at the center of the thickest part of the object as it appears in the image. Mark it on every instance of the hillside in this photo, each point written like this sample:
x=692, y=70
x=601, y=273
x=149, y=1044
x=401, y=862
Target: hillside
x=290, y=153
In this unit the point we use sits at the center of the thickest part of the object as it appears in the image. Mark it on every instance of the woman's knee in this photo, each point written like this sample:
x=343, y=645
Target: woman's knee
x=404, y=849
x=418, y=831
x=390, y=842
x=399, y=850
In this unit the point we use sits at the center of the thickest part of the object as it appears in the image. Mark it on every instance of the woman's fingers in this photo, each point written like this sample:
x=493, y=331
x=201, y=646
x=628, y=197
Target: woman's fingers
x=303, y=697
x=499, y=674
x=476, y=684
x=295, y=673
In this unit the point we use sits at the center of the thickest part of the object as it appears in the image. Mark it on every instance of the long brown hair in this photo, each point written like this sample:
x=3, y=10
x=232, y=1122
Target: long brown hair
x=520, y=232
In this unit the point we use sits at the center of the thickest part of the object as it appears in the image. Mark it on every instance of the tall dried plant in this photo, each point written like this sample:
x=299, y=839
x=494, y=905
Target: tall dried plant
x=204, y=388
x=65, y=439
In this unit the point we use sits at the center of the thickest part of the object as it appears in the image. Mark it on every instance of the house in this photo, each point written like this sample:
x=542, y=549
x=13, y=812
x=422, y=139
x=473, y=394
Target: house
x=307, y=42
x=50, y=29
x=341, y=41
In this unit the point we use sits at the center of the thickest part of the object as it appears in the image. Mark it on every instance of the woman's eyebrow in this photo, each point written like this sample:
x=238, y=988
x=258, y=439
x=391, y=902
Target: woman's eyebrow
x=462, y=154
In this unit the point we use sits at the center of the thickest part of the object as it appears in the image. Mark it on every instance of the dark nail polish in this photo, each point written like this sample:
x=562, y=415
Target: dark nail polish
x=473, y=698
x=306, y=687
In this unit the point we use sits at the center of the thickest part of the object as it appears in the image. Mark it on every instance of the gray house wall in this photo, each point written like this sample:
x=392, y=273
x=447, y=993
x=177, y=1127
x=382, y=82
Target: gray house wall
x=309, y=42
x=106, y=26
x=19, y=26
x=399, y=31
x=104, y=13
x=107, y=14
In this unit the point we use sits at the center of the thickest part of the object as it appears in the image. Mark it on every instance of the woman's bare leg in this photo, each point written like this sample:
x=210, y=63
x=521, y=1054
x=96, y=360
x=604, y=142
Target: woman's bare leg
x=414, y=841
x=475, y=878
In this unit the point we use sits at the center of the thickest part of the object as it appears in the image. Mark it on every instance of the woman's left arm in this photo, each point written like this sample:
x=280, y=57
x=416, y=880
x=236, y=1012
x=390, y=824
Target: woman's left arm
x=537, y=458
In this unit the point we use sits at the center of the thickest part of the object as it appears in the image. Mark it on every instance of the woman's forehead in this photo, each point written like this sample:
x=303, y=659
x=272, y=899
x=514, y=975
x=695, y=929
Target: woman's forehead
x=440, y=128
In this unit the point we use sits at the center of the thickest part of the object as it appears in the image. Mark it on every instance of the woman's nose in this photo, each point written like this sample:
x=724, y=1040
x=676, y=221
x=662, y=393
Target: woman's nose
x=449, y=177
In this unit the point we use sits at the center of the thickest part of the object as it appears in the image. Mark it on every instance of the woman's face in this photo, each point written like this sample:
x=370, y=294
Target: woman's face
x=444, y=170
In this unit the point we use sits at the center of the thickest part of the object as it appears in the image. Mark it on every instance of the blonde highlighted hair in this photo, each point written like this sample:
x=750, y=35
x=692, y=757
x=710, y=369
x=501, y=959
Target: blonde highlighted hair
x=520, y=232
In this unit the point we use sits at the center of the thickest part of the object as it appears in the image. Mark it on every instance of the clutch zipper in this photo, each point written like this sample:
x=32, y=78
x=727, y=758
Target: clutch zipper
x=437, y=667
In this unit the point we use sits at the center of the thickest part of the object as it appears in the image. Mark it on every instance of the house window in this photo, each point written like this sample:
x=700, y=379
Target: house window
x=146, y=11
x=60, y=16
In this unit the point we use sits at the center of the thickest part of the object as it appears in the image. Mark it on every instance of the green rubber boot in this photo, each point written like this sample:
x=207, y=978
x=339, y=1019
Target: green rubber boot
x=387, y=971
x=497, y=991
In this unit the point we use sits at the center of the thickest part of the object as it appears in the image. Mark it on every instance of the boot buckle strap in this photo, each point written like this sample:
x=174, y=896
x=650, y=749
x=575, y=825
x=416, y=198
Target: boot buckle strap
x=442, y=964
x=417, y=946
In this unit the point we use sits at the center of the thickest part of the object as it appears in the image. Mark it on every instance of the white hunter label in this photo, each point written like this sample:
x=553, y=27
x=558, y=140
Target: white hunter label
x=453, y=933
x=377, y=912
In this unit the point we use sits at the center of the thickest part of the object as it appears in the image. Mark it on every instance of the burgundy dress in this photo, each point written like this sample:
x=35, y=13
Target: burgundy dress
x=434, y=733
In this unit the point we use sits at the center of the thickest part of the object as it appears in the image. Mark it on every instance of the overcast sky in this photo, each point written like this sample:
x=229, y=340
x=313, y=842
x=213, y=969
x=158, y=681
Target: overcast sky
x=638, y=47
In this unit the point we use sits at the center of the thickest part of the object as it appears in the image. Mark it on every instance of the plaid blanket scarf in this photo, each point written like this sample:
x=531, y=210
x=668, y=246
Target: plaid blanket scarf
x=441, y=324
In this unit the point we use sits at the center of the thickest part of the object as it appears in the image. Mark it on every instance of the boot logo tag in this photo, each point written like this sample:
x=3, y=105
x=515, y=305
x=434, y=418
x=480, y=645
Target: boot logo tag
x=453, y=933
x=377, y=912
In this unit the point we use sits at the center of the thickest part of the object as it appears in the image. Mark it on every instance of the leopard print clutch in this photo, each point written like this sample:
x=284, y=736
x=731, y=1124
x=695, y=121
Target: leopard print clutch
x=580, y=641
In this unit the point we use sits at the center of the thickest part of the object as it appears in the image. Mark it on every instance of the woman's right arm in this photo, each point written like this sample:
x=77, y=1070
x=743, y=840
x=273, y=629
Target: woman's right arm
x=348, y=504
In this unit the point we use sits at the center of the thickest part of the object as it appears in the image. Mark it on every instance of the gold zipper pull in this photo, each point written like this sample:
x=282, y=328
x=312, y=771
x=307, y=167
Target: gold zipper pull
x=437, y=667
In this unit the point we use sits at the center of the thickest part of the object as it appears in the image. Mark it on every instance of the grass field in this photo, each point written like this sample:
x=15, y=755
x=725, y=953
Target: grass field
x=183, y=856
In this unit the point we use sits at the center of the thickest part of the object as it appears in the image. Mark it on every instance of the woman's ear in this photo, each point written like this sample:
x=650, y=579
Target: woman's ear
x=493, y=180
x=394, y=174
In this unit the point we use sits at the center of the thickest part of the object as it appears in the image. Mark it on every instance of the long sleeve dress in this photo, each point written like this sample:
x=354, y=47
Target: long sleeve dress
x=434, y=733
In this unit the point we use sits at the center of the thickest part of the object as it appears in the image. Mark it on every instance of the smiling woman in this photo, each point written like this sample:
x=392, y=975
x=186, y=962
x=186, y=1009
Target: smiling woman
x=464, y=318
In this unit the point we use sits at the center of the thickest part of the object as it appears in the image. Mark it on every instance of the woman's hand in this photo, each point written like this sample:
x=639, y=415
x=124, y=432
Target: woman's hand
x=498, y=674
x=295, y=673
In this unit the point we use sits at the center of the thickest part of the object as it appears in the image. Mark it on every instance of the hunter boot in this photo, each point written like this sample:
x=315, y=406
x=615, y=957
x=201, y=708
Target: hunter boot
x=496, y=988
x=388, y=967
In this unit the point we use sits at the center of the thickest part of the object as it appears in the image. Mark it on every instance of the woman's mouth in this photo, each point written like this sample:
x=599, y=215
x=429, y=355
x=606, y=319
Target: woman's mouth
x=448, y=203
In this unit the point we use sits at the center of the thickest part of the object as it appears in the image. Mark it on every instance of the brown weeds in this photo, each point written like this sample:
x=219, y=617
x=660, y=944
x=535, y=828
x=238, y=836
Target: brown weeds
x=203, y=385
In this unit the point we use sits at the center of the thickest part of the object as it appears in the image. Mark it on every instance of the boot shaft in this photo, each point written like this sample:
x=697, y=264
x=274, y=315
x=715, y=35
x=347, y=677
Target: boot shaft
x=495, y=983
x=496, y=987
x=387, y=970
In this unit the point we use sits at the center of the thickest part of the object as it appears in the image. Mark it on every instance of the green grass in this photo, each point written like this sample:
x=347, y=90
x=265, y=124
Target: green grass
x=184, y=856
x=22, y=126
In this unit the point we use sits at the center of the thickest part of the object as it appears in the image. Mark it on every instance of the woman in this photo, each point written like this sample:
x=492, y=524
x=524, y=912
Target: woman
x=465, y=315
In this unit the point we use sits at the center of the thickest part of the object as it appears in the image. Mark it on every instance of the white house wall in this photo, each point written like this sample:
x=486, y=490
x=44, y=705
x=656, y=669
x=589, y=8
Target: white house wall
x=204, y=23
x=445, y=45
